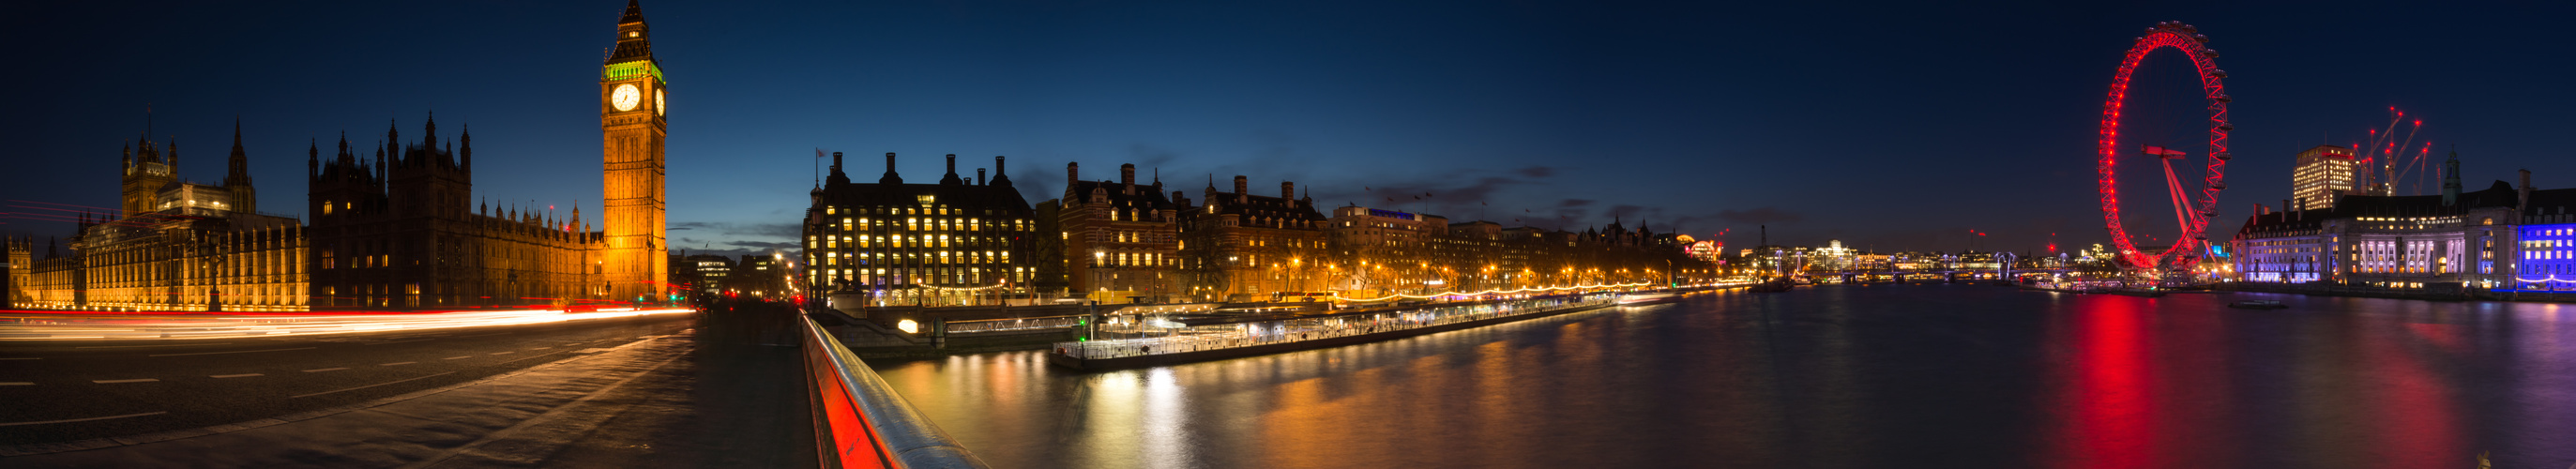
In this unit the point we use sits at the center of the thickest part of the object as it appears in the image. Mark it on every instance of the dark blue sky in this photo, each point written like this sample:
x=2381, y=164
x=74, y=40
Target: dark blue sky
x=1894, y=126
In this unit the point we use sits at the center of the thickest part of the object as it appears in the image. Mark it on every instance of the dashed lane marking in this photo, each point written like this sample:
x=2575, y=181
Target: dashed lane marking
x=326, y=369
x=243, y=375
x=368, y=386
x=458, y=358
x=397, y=363
x=82, y=420
x=142, y=346
x=114, y=381
x=236, y=351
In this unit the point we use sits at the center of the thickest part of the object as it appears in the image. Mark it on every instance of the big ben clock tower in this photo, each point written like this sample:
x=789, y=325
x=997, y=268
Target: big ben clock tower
x=631, y=98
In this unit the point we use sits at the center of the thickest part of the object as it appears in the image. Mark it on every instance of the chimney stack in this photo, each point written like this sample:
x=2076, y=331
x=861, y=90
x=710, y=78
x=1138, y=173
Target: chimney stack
x=890, y=176
x=951, y=176
x=979, y=176
x=1287, y=190
x=1127, y=176
x=1241, y=184
x=2522, y=195
x=1072, y=175
x=1000, y=175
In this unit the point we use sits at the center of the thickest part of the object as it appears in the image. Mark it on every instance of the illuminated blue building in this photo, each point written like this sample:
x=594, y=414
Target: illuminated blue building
x=2548, y=258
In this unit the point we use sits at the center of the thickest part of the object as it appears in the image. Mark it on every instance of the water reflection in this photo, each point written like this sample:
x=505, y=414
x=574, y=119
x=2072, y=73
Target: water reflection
x=1945, y=376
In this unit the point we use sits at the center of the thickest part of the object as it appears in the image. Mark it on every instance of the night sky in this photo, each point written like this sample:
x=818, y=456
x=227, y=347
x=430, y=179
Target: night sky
x=1894, y=127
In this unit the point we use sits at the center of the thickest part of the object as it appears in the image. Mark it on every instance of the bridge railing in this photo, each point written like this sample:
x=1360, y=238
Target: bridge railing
x=859, y=422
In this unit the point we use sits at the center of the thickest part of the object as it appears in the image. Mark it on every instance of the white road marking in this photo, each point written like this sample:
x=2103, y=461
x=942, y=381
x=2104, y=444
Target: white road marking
x=326, y=369
x=141, y=346
x=458, y=358
x=366, y=386
x=14, y=383
x=82, y=420
x=220, y=353
x=244, y=375
x=397, y=363
x=114, y=381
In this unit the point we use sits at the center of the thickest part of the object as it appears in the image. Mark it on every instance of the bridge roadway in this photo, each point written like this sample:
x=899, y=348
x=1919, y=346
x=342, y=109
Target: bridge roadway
x=671, y=390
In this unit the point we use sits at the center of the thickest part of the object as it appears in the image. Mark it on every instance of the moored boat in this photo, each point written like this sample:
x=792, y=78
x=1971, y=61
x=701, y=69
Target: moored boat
x=1773, y=286
x=1636, y=299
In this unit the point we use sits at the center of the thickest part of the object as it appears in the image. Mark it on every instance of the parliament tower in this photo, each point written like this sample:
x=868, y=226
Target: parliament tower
x=631, y=125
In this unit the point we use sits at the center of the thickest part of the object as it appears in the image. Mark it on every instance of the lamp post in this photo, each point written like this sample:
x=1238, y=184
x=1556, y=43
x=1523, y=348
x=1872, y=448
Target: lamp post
x=214, y=267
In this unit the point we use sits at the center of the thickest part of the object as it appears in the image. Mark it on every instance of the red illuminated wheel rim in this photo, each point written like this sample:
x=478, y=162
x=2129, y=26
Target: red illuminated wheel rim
x=2200, y=207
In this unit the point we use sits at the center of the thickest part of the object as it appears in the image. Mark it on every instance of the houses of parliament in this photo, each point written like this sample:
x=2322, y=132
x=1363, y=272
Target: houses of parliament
x=394, y=225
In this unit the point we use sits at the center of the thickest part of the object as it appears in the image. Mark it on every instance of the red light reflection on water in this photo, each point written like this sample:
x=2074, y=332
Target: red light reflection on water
x=2411, y=403
x=2108, y=402
x=2148, y=383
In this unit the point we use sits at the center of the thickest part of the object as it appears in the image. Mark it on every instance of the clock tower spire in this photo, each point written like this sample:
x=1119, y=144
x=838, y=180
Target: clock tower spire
x=632, y=127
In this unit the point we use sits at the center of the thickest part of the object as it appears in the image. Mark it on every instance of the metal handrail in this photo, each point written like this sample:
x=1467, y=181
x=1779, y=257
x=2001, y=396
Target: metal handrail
x=859, y=421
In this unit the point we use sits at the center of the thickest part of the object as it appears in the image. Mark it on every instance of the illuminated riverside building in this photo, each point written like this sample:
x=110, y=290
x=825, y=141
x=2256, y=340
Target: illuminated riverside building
x=2548, y=257
x=956, y=242
x=2479, y=240
x=2323, y=174
x=1121, y=239
x=1238, y=246
x=1378, y=250
x=406, y=232
x=172, y=246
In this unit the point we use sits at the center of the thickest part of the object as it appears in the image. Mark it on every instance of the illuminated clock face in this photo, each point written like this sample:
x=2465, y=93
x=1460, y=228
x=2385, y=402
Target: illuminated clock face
x=626, y=97
x=659, y=107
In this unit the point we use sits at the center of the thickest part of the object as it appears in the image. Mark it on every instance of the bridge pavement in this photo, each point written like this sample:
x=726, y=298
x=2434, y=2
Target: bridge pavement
x=714, y=390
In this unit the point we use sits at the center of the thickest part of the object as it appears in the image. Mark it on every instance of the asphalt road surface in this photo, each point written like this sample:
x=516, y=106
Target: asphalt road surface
x=67, y=391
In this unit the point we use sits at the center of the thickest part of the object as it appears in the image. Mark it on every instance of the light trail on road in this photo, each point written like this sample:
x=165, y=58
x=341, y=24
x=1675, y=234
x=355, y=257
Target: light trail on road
x=59, y=327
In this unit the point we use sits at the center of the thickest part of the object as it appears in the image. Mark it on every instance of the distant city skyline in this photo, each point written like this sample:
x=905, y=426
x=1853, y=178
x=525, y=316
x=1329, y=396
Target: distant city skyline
x=1895, y=129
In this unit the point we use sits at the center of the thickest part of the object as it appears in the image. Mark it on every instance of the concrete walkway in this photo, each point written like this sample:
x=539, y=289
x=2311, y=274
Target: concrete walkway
x=710, y=397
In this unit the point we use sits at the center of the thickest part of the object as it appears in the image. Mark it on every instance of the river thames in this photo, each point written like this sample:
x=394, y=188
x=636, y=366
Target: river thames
x=1836, y=376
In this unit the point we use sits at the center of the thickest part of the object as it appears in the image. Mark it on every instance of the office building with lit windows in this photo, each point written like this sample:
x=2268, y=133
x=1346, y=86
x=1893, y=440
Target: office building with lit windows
x=954, y=243
x=2323, y=174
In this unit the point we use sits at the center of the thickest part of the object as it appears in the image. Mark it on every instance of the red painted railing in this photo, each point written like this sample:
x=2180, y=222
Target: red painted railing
x=859, y=422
